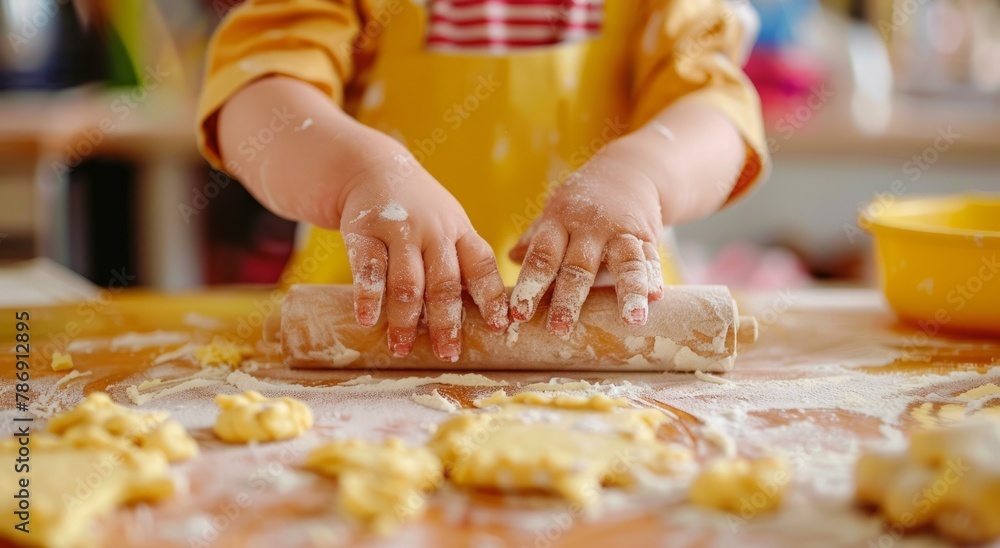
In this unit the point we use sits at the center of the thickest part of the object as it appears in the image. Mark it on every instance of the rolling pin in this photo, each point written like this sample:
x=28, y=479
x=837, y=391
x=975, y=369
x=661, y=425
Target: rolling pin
x=692, y=328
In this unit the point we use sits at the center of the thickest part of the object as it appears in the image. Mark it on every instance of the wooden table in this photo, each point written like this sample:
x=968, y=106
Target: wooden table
x=832, y=374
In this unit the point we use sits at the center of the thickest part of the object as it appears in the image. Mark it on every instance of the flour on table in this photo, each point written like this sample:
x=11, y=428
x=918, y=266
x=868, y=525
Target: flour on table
x=557, y=384
x=153, y=339
x=702, y=376
x=435, y=401
x=244, y=381
x=72, y=375
x=202, y=321
x=208, y=376
x=185, y=352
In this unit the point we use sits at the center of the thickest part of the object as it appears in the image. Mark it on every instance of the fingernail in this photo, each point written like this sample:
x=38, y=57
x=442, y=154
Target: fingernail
x=638, y=316
x=449, y=352
x=518, y=314
x=400, y=349
x=500, y=323
x=366, y=318
x=559, y=328
x=559, y=321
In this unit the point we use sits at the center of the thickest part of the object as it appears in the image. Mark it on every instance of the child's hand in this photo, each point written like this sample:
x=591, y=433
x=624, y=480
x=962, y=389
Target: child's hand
x=406, y=236
x=409, y=239
x=607, y=212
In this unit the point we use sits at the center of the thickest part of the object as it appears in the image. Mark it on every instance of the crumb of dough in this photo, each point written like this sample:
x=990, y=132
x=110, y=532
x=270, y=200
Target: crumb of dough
x=729, y=485
x=960, y=459
x=567, y=446
x=252, y=417
x=222, y=352
x=381, y=485
x=61, y=362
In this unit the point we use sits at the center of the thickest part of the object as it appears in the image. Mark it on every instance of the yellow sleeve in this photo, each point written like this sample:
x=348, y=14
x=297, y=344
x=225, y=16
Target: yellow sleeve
x=311, y=40
x=688, y=49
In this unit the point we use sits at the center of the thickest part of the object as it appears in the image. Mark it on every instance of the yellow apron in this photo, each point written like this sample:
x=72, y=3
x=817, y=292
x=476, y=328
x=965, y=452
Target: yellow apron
x=498, y=131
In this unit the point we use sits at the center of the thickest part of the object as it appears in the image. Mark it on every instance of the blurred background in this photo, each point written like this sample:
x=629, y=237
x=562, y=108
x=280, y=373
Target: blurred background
x=864, y=100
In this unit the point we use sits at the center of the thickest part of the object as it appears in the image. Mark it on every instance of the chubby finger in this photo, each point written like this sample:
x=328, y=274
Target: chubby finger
x=482, y=279
x=368, y=257
x=655, y=270
x=404, y=296
x=627, y=264
x=443, y=301
x=541, y=264
x=573, y=283
x=519, y=250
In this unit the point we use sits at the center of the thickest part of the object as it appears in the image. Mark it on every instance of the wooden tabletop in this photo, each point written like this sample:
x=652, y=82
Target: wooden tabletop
x=832, y=375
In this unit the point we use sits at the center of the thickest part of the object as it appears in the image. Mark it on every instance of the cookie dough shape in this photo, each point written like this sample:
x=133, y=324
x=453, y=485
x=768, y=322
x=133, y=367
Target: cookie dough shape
x=948, y=478
x=92, y=459
x=99, y=423
x=741, y=486
x=382, y=485
x=70, y=487
x=252, y=417
x=570, y=446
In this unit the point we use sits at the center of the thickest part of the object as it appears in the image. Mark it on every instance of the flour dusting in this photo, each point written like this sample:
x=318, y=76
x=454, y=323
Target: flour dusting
x=393, y=211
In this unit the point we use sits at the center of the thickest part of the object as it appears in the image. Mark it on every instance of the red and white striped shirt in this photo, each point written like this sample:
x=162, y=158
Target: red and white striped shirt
x=500, y=25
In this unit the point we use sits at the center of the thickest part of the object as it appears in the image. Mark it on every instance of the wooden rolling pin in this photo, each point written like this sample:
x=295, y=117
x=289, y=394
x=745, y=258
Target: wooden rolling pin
x=692, y=328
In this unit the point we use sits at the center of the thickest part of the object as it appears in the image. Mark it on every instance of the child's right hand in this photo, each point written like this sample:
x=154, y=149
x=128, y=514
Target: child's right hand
x=407, y=237
x=410, y=240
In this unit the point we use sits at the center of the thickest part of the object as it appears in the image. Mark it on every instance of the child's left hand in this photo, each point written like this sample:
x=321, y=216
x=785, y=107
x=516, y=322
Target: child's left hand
x=607, y=212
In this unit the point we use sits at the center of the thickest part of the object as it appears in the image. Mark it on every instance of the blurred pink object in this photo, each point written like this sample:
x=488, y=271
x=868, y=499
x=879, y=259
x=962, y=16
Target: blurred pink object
x=746, y=266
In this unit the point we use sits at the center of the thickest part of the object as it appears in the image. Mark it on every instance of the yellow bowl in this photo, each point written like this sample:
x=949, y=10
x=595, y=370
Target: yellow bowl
x=939, y=260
